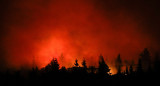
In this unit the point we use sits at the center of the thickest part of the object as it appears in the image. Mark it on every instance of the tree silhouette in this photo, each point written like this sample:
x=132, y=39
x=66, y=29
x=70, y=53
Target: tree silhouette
x=139, y=67
x=146, y=61
x=126, y=72
x=84, y=66
x=53, y=65
x=35, y=69
x=76, y=63
x=118, y=64
x=131, y=69
x=131, y=72
x=103, y=67
x=34, y=72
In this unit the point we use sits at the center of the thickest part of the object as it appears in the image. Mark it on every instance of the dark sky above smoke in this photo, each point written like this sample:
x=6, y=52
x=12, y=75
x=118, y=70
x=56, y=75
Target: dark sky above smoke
x=42, y=29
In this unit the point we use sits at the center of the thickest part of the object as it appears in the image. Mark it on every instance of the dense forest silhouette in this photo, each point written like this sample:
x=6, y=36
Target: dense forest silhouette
x=146, y=71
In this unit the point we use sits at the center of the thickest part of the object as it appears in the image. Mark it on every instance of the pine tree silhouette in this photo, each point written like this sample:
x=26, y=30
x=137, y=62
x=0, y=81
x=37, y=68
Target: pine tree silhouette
x=55, y=65
x=131, y=69
x=84, y=66
x=103, y=67
x=139, y=67
x=52, y=66
x=126, y=72
x=118, y=64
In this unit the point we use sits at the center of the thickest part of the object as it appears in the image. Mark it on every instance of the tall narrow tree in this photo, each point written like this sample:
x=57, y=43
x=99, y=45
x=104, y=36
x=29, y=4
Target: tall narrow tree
x=103, y=67
x=118, y=63
x=131, y=69
x=139, y=67
x=126, y=72
x=84, y=66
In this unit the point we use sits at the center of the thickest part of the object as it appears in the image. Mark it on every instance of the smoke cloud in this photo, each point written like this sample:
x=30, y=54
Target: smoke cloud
x=76, y=29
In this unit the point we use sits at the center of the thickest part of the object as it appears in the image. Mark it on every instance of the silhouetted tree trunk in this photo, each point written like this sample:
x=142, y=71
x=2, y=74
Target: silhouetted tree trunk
x=126, y=72
x=118, y=63
x=139, y=67
x=131, y=69
x=84, y=66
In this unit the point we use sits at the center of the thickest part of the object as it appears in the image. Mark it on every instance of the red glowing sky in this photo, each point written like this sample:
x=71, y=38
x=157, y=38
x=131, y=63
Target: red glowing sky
x=43, y=29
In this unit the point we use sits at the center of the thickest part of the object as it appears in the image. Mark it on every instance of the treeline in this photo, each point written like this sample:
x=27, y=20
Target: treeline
x=145, y=70
x=145, y=65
